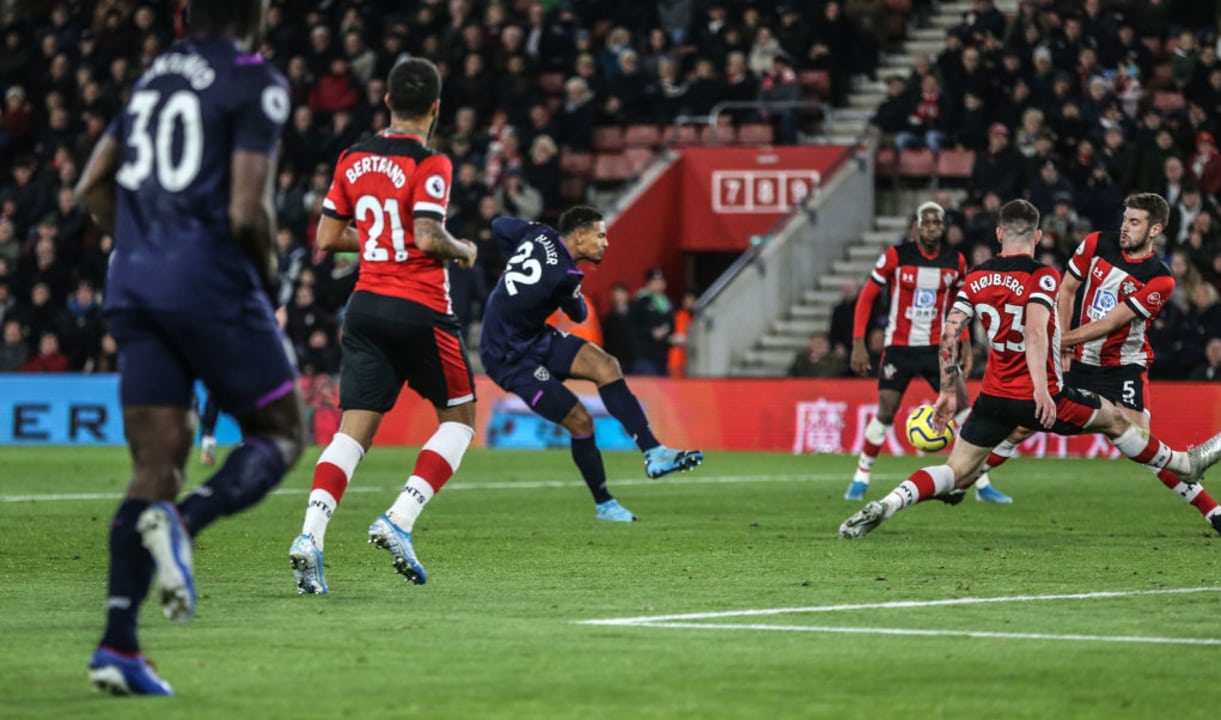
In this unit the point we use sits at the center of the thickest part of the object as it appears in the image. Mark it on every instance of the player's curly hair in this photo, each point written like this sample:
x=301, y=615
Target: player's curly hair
x=577, y=217
x=1152, y=203
x=243, y=19
x=414, y=85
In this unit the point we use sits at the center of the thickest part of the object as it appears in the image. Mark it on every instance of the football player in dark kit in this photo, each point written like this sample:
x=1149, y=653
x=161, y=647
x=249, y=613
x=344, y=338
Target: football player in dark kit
x=183, y=176
x=529, y=358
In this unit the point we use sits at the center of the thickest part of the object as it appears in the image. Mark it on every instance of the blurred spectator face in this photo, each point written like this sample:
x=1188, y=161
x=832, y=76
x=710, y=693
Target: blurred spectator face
x=930, y=86
x=6, y=231
x=542, y=149
x=472, y=37
x=284, y=239
x=764, y=37
x=972, y=102
x=304, y=297
x=12, y=332
x=339, y=66
x=831, y=13
x=820, y=346
x=998, y=140
x=297, y=69
x=540, y=117
x=1113, y=138
x=735, y=64
x=1190, y=198
x=970, y=59
x=895, y=86
x=352, y=44
x=464, y=121
x=472, y=66
x=375, y=91
x=48, y=344
x=576, y=90
x=1164, y=139
x=66, y=200
x=511, y=38
x=318, y=340
x=981, y=254
x=303, y=119
x=44, y=249
x=40, y=294
x=629, y=62
x=954, y=235
x=320, y=39
x=1179, y=264
x=1049, y=173
x=1013, y=63
x=537, y=14
x=1213, y=352
x=468, y=174
x=84, y=295
x=1173, y=169
x=488, y=207
x=621, y=299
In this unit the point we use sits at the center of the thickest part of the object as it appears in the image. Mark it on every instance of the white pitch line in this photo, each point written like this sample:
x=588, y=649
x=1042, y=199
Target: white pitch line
x=525, y=485
x=656, y=619
x=940, y=633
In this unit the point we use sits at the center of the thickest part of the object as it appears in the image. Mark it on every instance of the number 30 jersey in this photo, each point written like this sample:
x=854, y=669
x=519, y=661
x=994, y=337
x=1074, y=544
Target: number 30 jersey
x=384, y=183
x=998, y=292
x=197, y=104
x=540, y=275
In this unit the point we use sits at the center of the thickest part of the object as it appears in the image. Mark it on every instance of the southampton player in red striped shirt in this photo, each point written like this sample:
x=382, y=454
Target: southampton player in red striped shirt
x=1123, y=285
x=923, y=277
x=1014, y=298
x=399, y=327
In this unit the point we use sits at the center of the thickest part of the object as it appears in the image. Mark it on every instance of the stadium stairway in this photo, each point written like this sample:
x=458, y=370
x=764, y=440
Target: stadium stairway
x=774, y=351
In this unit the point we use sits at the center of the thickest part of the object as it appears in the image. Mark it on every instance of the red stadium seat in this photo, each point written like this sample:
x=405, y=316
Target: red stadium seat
x=725, y=135
x=646, y=136
x=638, y=159
x=755, y=134
x=886, y=162
x=686, y=135
x=816, y=83
x=956, y=164
x=572, y=189
x=612, y=167
x=916, y=163
x=573, y=163
x=608, y=138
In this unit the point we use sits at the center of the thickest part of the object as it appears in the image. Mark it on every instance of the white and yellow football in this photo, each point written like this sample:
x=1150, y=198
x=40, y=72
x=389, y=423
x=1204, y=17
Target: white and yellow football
x=920, y=432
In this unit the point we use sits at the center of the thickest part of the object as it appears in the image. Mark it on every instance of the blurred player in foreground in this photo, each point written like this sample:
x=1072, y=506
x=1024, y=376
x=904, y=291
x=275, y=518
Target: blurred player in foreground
x=1015, y=299
x=187, y=298
x=530, y=359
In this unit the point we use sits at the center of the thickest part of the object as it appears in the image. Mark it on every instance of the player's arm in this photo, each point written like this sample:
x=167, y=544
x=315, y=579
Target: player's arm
x=947, y=399
x=335, y=235
x=572, y=301
x=859, y=360
x=252, y=213
x=96, y=188
x=432, y=237
x=1116, y=318
x=1037, y=315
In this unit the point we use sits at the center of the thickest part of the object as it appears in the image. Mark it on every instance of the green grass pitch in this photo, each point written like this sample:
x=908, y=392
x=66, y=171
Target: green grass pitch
x=516, y=562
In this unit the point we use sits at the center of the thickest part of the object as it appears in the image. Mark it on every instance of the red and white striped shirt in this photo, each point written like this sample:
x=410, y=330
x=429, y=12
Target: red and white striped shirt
x=998, y=292
x=1110, y=277
x=921, y=287
x=384, y=182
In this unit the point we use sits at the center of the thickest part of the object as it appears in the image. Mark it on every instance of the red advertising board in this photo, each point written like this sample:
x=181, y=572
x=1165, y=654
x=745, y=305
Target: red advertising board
x=798, y=416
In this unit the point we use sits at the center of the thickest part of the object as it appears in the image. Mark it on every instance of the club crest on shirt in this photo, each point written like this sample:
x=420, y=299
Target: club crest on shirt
x=888, y=371
x=541, y=374
x=1127, y=288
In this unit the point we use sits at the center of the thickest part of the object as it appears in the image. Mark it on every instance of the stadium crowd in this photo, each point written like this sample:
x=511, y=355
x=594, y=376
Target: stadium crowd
x=1057, y=101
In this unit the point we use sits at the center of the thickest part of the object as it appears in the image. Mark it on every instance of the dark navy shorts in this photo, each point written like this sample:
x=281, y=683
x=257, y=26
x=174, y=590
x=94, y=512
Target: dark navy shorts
x=537, y=378
x=241, y=360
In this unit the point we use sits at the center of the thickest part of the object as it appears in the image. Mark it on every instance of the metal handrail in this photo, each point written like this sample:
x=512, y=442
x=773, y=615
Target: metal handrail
x=720, y=108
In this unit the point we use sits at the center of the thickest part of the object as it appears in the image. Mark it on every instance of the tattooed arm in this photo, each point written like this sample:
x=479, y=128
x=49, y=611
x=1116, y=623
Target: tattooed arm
x=432, y=237
x=947, y=401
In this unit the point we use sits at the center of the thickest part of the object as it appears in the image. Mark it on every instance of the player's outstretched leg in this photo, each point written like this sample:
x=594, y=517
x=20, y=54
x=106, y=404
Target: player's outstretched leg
x=393, y=539
x=1194, y=494
x=875, y=436
x=168, y=543
x=588, y=459
x=923, y=484
x=659, y=460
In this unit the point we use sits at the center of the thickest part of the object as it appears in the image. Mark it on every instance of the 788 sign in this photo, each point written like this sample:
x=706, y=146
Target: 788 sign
x=762, y=191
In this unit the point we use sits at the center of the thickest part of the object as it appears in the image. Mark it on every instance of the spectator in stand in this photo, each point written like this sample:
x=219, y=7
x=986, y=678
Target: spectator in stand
x=778, y=86
x=676, y=360
x=842, y=320
x=618, y=333
x=816, y=361
x=970, y=129
x=706, y=88
x=1101, y=200
x=334, y=91
x=1050, y=187
x=740, y=85
x=627, y=91
x=10, y=248
x=577, y=117
x=891, y=115
x=49, y=358
x=1206, y=165
x=1210, y=369
x=518, y=197
x=1183, y=59
x=926, y=120
x=763, y=51
x=1155, y=167
x=14, y=349
x=1183, y=216
x=1172, y=178
x=542, y=170
x=1000, y=169
x=302, y=142
x=653, y=320
x=321, y=356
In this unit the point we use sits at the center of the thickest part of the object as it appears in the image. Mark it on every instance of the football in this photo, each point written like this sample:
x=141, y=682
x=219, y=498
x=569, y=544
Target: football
x=920, y=432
